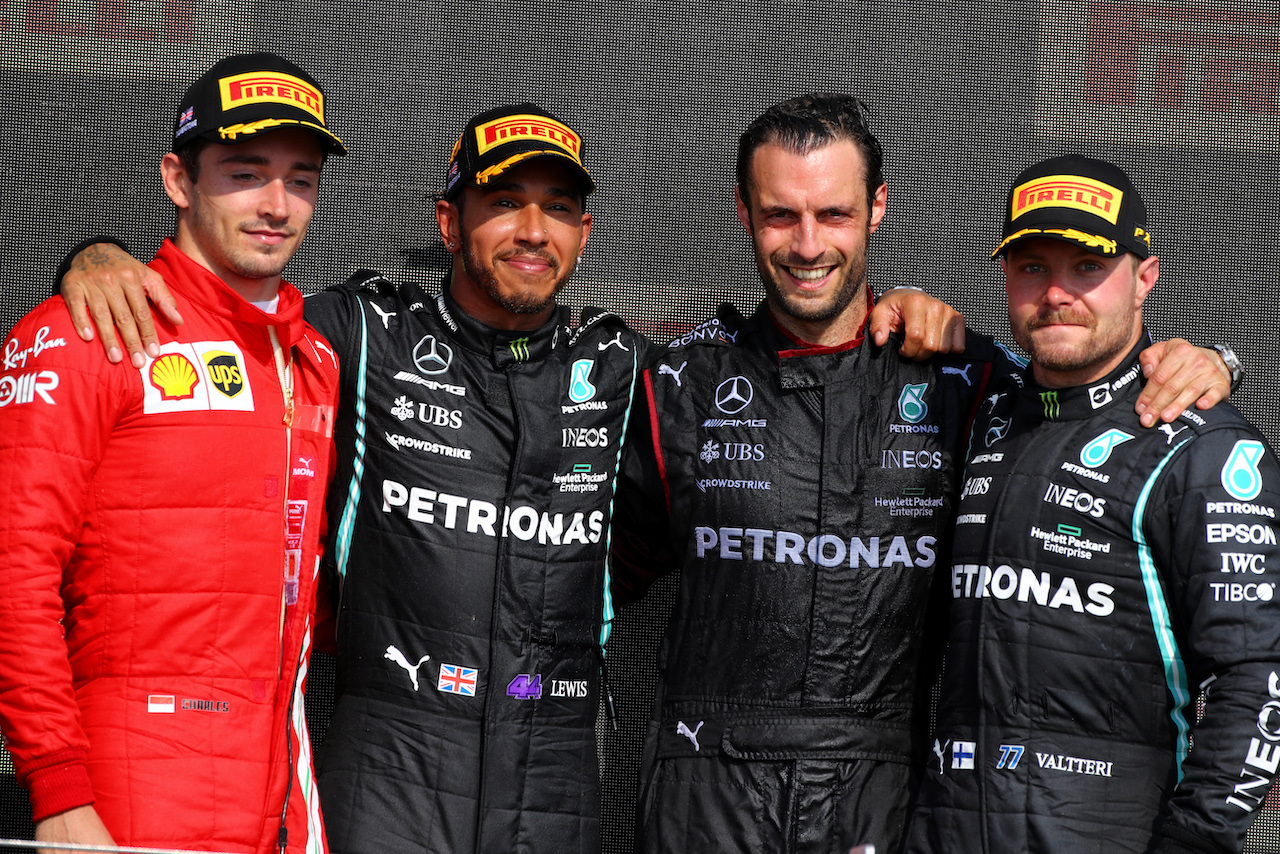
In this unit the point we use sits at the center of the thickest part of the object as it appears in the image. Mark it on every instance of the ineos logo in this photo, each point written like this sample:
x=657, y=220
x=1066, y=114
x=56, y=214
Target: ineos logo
x=733, y=395
x=432, y=356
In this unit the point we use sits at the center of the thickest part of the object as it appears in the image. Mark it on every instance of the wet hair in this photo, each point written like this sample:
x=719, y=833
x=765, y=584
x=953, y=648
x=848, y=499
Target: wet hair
x=809, y=122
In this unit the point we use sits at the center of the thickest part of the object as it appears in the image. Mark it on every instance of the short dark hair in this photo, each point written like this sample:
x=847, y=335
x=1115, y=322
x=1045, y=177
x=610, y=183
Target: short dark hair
x=808, y=122
x=189, y=157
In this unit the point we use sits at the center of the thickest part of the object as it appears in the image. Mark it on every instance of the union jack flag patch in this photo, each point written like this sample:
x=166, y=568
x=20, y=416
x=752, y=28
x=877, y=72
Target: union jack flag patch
x=457, y=680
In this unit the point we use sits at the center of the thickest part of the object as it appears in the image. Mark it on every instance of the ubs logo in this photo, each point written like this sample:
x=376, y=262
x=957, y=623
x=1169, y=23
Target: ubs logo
x=734, y=395
x=432, y=356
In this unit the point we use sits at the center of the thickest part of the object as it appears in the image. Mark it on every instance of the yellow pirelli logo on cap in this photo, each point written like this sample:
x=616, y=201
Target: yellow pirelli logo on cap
x=539, y=128
x=1067, y=191
x=271, y=87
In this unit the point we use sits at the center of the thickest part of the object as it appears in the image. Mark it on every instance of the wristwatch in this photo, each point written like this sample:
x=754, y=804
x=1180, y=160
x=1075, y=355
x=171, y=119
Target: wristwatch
x=1232, y=361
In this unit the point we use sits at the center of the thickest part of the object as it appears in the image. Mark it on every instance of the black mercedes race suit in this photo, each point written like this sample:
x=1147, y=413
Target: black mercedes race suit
x=470, y=513
x=804, y=494
x=1103, y=573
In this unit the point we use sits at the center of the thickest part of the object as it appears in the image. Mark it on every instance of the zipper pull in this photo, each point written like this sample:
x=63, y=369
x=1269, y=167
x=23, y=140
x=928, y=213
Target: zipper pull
x=609, y=711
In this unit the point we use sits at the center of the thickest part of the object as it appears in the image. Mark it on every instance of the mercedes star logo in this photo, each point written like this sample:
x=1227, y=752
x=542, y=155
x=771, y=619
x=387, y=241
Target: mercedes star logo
x=733, y=395
x=432, y=356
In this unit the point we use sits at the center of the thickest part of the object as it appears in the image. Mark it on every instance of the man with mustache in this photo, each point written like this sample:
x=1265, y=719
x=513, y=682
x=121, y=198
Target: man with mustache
x=1103, y=573
x=802, y=481
x=160, y=538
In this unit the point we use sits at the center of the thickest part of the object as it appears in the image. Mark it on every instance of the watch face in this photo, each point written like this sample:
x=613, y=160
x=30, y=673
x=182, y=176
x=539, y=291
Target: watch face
x=1232, y=361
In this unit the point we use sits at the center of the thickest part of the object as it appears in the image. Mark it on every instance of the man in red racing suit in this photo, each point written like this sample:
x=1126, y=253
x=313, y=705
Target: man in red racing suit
x=159, y=546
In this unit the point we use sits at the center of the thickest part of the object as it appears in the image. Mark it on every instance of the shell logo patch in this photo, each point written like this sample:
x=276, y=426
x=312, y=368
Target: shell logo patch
x=196, y=376
x=175, y=377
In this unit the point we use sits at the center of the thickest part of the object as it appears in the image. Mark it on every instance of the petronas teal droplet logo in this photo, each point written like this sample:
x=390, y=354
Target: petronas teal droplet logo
x=580, y=388
x=911, y=405
x=1099, y=450
x=1240, y=475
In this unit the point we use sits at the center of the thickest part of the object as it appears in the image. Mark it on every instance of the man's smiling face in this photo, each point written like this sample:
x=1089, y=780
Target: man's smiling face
x=810, y=219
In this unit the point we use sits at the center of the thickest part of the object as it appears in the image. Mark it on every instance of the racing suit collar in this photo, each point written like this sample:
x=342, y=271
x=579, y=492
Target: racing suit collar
x=789, y=345
x=1084, y=401
x=503, y=346
x=208, y=291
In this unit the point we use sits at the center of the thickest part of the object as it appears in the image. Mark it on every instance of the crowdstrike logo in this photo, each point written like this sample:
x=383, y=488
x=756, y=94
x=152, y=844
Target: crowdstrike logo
x=432, y=356
x=734, y=395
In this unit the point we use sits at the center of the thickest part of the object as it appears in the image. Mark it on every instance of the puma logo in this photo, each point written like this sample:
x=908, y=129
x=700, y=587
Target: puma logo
x=691, y=734
x=617, y=339
x=959, y=372
x=939, y=750
x=386, y=316
x=674, y=373
x=393, y=654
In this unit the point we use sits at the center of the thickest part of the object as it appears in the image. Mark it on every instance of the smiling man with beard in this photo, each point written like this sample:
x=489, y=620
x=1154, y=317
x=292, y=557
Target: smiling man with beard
x=802, y=480
x=478, y=443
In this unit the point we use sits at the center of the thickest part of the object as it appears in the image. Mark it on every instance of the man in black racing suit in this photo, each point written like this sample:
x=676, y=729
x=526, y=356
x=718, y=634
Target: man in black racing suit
x=802, y=481
x=1103, y=573
x=471, y=508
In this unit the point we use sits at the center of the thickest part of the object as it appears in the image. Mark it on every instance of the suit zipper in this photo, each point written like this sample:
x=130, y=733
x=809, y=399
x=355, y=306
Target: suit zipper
x=284, y=373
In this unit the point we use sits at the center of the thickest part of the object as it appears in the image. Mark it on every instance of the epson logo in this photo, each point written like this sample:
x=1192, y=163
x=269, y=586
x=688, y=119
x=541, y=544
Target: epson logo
x=584, y=437
x=827, y=550
x=1075, y=499
x=1221, y=532
x=972, y=581
x=910, y=459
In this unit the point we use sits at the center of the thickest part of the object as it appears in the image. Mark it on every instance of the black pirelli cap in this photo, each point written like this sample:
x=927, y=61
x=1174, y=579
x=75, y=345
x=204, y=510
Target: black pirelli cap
x=243, y=96
x=1079, y=200
x=501, y=138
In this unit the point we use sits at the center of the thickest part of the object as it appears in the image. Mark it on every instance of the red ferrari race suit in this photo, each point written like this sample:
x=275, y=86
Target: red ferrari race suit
x=158, y=556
